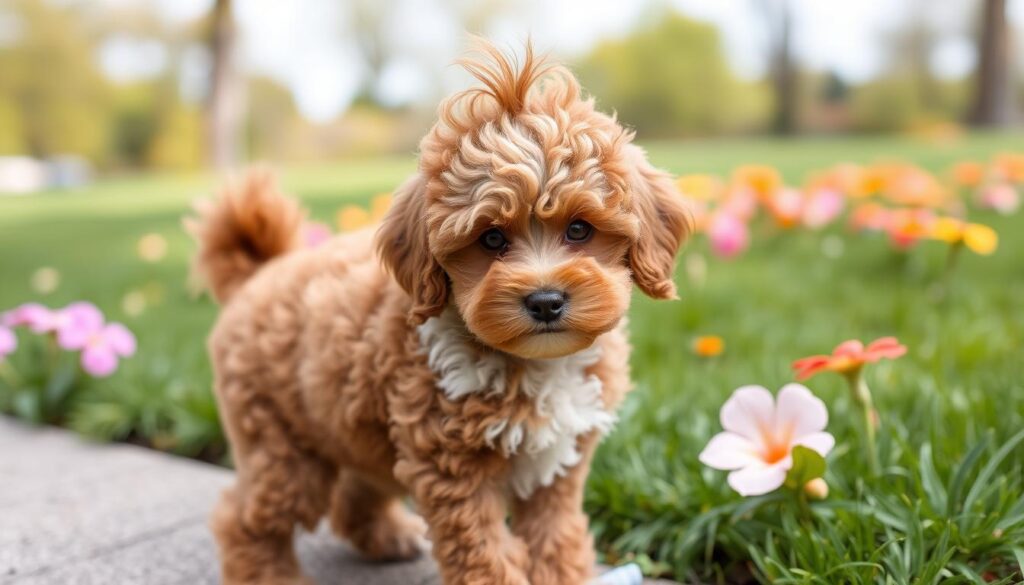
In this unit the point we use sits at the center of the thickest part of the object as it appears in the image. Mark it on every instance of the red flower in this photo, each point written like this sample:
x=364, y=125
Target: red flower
x=849, y=356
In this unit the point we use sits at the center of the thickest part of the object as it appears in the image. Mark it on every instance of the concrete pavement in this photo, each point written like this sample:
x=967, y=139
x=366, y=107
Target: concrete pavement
x=73, y=512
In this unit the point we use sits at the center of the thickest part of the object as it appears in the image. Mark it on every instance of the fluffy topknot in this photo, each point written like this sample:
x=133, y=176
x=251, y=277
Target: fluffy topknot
x=504, y=79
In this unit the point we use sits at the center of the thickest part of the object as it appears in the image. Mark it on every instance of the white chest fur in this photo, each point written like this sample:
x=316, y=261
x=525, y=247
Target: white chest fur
x=567, y=401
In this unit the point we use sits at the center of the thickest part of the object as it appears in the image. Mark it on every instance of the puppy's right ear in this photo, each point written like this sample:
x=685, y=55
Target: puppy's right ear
x=405, y=251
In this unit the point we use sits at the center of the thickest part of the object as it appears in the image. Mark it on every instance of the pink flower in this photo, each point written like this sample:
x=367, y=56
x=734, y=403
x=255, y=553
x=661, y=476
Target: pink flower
x=1001, y=197
x=32, y=315
x=740, y=203
x=8, y=342
x=786, y=206
x=728, y=234
x=104, y=347
x=821, y=207
x=75, y=323
x=760, y=434
x=315, y=233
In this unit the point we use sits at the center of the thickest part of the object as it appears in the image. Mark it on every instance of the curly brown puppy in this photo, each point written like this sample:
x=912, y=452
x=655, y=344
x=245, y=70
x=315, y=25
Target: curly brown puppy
x=469, y=354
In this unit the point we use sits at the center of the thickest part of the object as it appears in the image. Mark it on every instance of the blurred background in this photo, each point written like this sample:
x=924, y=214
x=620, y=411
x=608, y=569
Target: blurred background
x=93, y=87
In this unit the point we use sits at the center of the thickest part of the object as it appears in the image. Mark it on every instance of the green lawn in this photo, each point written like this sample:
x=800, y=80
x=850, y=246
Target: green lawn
x=947, y=507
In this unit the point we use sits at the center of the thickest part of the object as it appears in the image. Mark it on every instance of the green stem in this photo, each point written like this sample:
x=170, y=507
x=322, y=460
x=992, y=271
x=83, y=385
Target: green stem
x=804, y=507
x=862, y=397
x=951, y=261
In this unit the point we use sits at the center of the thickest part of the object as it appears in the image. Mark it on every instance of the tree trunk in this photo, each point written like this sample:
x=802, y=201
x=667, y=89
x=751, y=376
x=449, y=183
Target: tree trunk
x=784, y=75
x=993, y=97
x=224, y=103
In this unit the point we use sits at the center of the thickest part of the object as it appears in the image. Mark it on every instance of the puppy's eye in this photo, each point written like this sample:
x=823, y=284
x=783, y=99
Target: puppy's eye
x=493, y=240
x=579, y=231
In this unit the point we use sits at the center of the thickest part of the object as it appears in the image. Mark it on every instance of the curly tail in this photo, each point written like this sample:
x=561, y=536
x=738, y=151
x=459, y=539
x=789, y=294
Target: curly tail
x=250, y=223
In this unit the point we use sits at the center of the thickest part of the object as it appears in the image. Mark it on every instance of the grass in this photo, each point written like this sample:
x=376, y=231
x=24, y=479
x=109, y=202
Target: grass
x=947, y=507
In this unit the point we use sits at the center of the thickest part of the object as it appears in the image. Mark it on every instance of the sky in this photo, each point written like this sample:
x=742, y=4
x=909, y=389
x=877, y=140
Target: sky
x=308, y=44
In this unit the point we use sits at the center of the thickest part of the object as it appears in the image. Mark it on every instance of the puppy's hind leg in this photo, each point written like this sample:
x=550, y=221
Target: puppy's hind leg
x=278, y=487
x=375, y=521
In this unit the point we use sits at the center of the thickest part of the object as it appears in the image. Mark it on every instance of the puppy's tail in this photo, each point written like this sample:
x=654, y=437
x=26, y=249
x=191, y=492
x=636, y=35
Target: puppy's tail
x=247, y=225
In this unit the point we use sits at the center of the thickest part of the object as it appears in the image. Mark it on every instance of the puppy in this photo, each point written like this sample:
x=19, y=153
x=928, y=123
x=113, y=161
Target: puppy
x=469, y=354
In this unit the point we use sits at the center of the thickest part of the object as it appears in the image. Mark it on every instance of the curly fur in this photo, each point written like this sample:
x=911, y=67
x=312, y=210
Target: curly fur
x=402, y=363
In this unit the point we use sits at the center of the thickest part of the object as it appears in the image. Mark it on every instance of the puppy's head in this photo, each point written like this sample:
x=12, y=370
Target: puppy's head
x=532, y=213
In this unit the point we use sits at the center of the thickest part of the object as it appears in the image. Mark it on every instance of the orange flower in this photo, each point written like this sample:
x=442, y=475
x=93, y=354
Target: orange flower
x=848, y=357
x=708, y=346
x=968, y=174
x=869, y=181
x=1010, y=166
x=848, y=178
x=869, y=216
x=907, y=226
x=910, y=185
x=763, y=180
x=978, y=238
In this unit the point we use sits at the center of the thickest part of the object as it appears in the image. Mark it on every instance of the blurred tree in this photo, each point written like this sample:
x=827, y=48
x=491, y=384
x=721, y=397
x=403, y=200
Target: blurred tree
x=178, y=138
x=48, y=77
x=670, y=79
x=272, y=118
x=785, y=77
x=993, y=94
x=12, y=139
x=225, y=97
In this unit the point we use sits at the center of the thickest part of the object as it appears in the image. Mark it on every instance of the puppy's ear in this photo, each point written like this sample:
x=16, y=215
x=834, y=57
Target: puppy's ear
x=664, y=224
x=404, y=249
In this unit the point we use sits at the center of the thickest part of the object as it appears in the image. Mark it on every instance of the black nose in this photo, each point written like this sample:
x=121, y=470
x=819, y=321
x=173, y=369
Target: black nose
x=545, y=305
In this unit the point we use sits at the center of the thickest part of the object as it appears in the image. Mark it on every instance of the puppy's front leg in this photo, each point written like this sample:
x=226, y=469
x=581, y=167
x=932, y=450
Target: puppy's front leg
x=552, y=523
x=466, y=520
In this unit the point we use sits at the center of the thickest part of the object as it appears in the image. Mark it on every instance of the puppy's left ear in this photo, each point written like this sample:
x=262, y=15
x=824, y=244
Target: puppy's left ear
x=664, y=224
x=405, y=251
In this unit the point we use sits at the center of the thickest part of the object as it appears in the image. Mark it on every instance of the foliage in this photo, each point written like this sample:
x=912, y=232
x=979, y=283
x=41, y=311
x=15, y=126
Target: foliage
x=669, y=79
x=50, y=76
x=947, y=507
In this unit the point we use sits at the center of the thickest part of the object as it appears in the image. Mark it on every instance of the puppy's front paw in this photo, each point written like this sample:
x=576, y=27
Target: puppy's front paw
x=396, y=535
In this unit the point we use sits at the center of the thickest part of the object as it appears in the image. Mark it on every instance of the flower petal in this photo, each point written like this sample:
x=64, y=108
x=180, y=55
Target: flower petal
x=729, y=451
x=885, y=347
x=799, y=411
x=981, y=239
x=821, y=442
x=77, y=323
x=809, y=366
x=32, y=315
x=758, y=480
x=8, y=341
x=749, y=410
x=851, y=348
x=99, y=361
x=120, y=339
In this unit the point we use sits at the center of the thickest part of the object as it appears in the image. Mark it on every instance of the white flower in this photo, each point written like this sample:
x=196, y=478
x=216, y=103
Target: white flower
x=760, y=434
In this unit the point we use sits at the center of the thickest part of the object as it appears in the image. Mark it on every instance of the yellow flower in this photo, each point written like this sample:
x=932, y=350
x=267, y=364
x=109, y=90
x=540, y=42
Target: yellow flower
x=708, y=346
x=980, y=239
x=379, y=205
x=152, y=247
x=352, y=217
x=700, y=187
x=45, y=280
